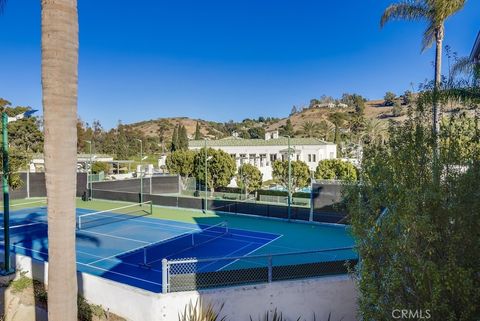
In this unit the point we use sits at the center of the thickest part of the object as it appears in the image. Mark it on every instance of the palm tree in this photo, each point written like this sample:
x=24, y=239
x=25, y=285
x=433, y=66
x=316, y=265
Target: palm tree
x=324, y=129
x=59, y=88
x=435, y=12
x=309, y=129
x=375, y=132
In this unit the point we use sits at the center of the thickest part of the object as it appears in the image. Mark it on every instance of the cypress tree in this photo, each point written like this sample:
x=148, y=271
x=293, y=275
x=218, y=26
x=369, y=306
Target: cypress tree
x=182, y=138
x=198, y=135
x=174, y=145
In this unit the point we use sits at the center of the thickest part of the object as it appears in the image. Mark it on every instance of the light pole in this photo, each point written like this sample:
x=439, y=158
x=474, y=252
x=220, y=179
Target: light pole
x=207, y=158
x=141, y=169
x=289, y=198
x=89, y=171
x=7, y=269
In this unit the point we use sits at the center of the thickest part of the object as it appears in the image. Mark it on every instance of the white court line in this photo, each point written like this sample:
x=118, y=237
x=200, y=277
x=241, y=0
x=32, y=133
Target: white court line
x=179, y=224
x=26, y=203
x=121, y=262
x=113, y=236
x=23, y=225
x=246, y=255
x=226, y=256
x=98, y=268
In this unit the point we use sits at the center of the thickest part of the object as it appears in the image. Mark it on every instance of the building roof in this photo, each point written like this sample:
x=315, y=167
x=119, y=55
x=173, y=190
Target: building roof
x=281, y=141
x=475, y=55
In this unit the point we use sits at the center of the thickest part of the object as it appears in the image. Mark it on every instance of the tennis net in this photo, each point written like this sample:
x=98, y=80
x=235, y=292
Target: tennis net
x=114, y=215
x=155, y=252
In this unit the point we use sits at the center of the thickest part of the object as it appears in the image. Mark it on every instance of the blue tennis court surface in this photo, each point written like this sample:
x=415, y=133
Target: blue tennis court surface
x=130, y=249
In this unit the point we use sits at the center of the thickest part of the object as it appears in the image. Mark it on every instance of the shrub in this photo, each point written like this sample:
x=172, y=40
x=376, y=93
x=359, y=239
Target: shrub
x=336, y=169
x=98, y=167
x=201, y=311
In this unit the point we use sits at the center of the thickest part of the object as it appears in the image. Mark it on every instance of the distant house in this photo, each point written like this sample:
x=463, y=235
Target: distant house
x=475, y=55
x=263, y=152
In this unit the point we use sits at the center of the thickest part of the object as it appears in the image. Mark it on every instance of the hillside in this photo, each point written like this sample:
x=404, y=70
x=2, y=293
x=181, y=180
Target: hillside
x=374, y=109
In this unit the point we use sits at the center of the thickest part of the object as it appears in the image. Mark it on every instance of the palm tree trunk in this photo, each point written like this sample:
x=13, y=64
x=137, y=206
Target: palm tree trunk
x=59, y=86
x=438, y=79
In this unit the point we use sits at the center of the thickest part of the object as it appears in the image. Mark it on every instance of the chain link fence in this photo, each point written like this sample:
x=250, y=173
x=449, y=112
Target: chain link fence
x=194, y=274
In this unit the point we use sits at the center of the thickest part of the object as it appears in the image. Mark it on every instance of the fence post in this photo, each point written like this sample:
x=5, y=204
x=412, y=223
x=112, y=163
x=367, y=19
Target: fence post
x=165, y=276
x=270, y=268
x=28, y=182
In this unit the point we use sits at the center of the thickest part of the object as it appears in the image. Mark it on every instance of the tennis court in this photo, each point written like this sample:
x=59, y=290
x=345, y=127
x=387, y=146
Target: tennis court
x=126, y=243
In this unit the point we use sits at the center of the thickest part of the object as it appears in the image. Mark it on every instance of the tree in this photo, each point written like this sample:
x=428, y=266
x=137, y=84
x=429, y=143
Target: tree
x=335, y=169
x=389, y=98
x=358, y=104
x=309, y=129
x=221, y=167
x=163, y=126
x=325, y=129
x=175, y=143
x=287, y=129
x=435, y=12
x=300, y=174
x=337, y=119
x=294, y=110
x=256, y=132
x=98, y=167
x=468, y=68
x=181, y=162
x=198, y=134
x=182, y=141
x=408, y=97
x=375, y=132
x=397, y=109
x=418, y=236
x=249, y=178
x=25, y=136
x=59, y=89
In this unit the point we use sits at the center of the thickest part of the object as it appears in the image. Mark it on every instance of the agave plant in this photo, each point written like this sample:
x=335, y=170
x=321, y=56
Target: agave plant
x=201, y=311
x=275, y=316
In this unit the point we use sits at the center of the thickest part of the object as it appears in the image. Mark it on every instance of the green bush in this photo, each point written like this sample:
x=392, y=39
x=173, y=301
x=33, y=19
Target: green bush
x=98, y=167
x=415, y=214
x=336, y=169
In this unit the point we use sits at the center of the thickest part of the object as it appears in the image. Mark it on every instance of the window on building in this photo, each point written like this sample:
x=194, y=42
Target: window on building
x=273, y=157
x=298, y=157
x=309, y=158
x=242, y=158
x=314, y=158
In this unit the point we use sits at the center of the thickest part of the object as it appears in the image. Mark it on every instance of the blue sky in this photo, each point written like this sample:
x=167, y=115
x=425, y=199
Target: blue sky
x=222, y=60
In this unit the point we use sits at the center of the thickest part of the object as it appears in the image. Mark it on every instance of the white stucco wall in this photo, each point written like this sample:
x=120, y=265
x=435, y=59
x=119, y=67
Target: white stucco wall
x=335, y=295
x=321, y=152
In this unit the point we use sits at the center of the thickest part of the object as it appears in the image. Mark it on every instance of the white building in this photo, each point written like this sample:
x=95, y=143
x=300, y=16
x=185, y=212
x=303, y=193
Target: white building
x=263, y=152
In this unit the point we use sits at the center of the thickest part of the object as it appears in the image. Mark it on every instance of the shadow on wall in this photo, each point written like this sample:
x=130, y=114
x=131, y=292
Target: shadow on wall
x=34, y=244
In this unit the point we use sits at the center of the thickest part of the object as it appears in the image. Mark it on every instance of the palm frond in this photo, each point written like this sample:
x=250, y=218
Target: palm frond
x=429, y=36
x=405, y=10
x=443, y=9
x=463, y=66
